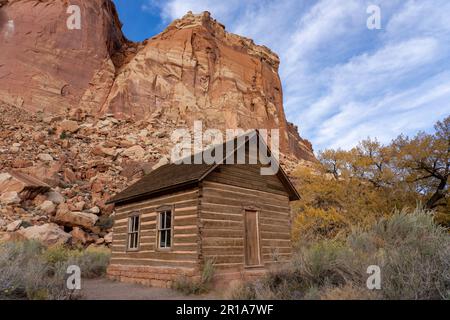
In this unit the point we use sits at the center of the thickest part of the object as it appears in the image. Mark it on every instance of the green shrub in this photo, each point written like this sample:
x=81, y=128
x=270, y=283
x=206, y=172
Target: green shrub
x=56, y=255
x=189, y=286
x=105, y=222
x=92, y=261
x=64, y=135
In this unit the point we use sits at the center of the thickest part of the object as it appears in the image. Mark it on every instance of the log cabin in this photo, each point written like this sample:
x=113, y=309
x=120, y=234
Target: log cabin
x=178, y=217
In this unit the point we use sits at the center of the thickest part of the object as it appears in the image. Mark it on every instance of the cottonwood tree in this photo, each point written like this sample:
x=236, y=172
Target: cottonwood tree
x=425, y=162
x=372, y=180
x=371, y=161
x=335, y=162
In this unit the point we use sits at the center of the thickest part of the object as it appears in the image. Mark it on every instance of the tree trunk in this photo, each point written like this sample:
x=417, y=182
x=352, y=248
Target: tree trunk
x=438, y=195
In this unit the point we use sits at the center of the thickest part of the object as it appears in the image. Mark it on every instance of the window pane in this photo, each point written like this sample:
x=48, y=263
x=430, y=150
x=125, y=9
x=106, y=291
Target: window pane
x=161, y=220
x=136, y=223
x=162, y=239
x=168, y=219
x=131, y=240
x=168, y=238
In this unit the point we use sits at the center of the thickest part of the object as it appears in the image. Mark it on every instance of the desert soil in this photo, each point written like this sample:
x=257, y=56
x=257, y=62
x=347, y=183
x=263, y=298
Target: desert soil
x=104, y=289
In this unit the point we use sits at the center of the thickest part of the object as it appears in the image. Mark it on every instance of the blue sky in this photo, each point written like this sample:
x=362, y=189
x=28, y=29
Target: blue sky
x=342, y=82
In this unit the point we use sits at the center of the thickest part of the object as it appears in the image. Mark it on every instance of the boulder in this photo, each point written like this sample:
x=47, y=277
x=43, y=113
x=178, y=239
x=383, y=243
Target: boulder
x=5, y=176
x=79, y=236
x=49, y=234
x=94, y=210
x=69, y=175
x=14, y=226
x=10, y=197
x=73, y=219
x=27, y=186
x=14, y=149
x=11, y=236
x=68, y=126
x=97, y=186
x=22, y=163
x=79, y=206
x=99, y=150
x=55, y=197
x=48, y=207
x=134, y=152
x=109, y=237
x=161, y=162
x=45, y=157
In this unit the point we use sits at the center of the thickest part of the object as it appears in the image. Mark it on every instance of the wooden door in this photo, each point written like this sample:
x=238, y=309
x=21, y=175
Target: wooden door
x=252, y=249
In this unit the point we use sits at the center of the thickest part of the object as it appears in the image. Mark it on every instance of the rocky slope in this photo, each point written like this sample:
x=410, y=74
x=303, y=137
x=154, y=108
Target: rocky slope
x=193, y=70
x=57, y=169
x=61, y=170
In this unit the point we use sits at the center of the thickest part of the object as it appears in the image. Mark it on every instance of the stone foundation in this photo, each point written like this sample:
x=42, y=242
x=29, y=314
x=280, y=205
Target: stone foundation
x=163, y=277
x=223, y=279
x=160, y=277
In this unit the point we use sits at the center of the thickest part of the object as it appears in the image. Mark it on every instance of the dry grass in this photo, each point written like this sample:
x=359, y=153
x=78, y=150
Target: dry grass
x=412, y=251
x=28, y=270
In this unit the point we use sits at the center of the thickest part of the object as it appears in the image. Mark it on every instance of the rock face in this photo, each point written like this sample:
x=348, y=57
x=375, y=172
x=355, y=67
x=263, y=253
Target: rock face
x=41, y=54
x=194, y=70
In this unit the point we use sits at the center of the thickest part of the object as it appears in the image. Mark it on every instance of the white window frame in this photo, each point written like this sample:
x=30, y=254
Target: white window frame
x=162, y=228
x=132, y=231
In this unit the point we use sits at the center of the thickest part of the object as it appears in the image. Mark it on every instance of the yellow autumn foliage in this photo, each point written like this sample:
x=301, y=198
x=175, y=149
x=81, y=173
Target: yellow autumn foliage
x=357, y=187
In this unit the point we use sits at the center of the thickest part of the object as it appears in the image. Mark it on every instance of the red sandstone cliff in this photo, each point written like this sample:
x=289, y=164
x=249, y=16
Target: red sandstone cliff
x=193, y=70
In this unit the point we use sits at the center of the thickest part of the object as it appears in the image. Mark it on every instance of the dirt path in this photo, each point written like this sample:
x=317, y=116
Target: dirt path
x=104, y=289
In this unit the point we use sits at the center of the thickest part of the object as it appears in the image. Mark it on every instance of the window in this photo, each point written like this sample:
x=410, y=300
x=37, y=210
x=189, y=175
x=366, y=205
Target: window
x=133, y=232
x=165, y=229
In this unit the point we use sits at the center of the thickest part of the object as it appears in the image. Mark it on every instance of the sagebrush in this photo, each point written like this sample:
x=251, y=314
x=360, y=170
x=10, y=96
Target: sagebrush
x=28, y=270
x=189, y=286
x=412, y=251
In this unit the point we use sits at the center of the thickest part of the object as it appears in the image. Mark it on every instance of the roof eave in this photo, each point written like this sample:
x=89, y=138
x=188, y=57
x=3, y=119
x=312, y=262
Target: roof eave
x=152, y=194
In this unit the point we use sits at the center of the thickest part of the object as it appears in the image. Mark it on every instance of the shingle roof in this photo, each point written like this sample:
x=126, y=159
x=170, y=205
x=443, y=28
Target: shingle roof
x=165, y=177
x=173, y=176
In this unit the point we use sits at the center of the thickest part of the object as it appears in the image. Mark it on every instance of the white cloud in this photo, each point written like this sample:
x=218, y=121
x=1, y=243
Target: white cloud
x=151, y=6
x=221, y=9
x=368, y=76
x=343, y=82
x=424, y=17
x=412, y=110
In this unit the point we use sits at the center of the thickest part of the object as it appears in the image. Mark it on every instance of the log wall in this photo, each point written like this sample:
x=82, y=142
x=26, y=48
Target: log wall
x=148, y=264
x=225, y=194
